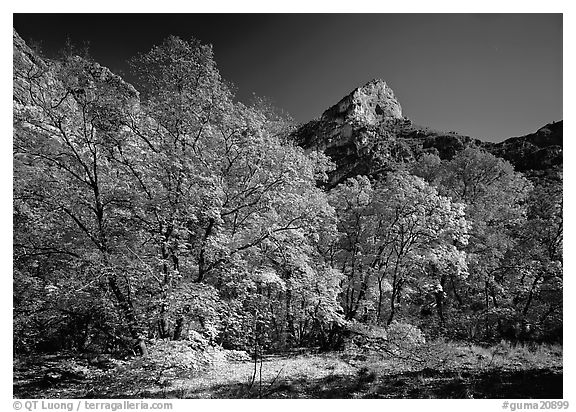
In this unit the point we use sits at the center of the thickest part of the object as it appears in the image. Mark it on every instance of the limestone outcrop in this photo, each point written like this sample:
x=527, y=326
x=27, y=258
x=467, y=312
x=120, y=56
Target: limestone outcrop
x=366, y=133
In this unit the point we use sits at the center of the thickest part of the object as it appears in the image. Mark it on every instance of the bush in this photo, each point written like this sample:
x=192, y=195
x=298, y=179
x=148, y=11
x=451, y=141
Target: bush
x=166, y=361
x=405, y=334
x=179, y=356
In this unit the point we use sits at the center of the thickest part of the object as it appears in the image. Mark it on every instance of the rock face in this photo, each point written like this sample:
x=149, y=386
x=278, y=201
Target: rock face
x=536, y=151
x=30, y=68
x=369, y=104
x=25, y=61
x=349, y=131
x=365, y=133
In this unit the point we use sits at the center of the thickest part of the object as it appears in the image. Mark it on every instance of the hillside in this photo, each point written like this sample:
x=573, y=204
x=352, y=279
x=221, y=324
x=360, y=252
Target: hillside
x=365, y=133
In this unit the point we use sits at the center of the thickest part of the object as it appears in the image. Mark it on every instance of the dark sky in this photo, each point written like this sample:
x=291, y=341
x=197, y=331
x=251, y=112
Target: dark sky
x=490, y=76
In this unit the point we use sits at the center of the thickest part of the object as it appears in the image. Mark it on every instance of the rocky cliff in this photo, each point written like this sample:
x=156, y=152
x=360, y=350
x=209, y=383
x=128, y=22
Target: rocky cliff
x=365, y=133
x=33, y=71
x=540, y=150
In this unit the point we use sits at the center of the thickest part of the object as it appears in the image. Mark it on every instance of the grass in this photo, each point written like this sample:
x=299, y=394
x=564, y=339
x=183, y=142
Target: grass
x=277, y=371
x=435, y=370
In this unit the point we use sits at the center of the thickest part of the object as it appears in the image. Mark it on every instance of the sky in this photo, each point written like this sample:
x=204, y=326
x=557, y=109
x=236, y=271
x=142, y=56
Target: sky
x=489, y=76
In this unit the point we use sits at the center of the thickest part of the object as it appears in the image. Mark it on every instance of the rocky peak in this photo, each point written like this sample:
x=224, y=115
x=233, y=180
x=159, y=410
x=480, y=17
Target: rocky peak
x=365, y=133
x=353, y=131
x=369, y=105
x=365, y=107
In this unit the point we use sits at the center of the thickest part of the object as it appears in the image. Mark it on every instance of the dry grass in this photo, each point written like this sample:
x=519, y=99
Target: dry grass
x=436, y=369
x=276, y=370
x=295, y=376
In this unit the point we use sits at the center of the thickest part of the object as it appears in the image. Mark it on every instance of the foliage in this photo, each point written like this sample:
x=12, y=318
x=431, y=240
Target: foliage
x=170, y=220
x=177, y=212
x=405, y=334
x=398, y=236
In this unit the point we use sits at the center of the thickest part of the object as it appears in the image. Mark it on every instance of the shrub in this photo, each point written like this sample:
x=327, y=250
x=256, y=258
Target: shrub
x=166, y=361
x=405, y=334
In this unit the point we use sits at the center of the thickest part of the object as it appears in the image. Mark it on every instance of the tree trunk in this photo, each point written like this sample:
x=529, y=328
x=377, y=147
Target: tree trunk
x=456, y=295
x=392, y=305
x=440, y=301
x=530, y=295
x=395, y=292
x=440, y=307
x=163, y=320
x=178, y=328
x=202, y=266
x=289, y=317
x=361, y=294
x=128, y=312
x=380, y=297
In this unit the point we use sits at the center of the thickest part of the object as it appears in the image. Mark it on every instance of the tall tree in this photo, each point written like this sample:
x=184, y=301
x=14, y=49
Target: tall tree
x=495, y=197
x=65, y=116
x=394, y=234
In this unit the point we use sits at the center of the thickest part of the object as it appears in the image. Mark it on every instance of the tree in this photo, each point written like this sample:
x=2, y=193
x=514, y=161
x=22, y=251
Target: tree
x=495, y=197
x=169, y=198
x=534, y=287
x=396, y=233
x=65, y=114
x=222, y=180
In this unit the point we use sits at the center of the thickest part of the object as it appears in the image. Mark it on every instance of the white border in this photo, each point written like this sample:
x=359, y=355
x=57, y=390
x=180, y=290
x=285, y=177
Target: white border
x=299, y=6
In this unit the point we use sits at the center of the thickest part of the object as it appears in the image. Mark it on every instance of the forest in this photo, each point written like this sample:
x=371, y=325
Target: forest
x=172, y=241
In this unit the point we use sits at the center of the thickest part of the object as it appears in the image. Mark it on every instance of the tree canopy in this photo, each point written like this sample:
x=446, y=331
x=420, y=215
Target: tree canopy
x=169, y=210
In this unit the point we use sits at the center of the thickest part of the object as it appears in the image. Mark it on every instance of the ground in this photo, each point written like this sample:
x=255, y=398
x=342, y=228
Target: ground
x=443, y=370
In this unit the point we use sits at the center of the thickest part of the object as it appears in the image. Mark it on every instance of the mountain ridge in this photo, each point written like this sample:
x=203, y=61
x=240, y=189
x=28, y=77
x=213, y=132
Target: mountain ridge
x=362, y=138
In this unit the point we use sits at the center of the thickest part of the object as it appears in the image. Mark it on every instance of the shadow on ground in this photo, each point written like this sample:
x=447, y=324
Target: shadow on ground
x=63, y=376
x=428, y=383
